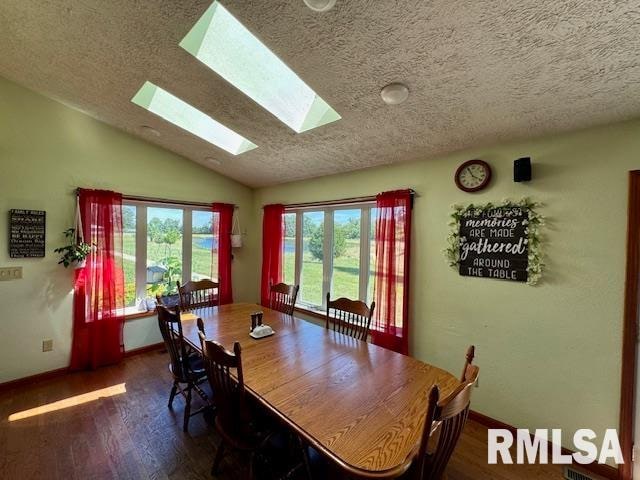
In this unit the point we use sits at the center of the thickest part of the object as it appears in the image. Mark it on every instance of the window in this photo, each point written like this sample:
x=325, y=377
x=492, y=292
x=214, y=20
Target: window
x=164, y=250
x=181, y=114
x=129, y=253
x=204, y=245
x=311, y=276
x=329, y=250
x=228, y=48
x=289, y=248
x=163, y=244
x=345, y=281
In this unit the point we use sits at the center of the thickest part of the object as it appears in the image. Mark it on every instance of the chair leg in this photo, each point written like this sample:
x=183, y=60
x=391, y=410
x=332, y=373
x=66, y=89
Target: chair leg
x=174, y=390
x=200, y=392
x=252, y=458
x=187, y=410
x=217, y=459
x=305, y=458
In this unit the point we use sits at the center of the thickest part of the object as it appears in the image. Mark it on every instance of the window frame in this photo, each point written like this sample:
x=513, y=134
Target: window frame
x=327, y=262
x=141, y=242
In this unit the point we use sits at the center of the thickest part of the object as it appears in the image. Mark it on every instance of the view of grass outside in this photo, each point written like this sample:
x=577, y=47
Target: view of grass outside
x=204, y=264
x=164, y=249
x=312, y=267
x=129, y=257
x=345, y=279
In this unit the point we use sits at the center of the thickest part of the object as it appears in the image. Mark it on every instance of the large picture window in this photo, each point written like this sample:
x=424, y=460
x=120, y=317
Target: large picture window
x=329, y=249
x=164, y=244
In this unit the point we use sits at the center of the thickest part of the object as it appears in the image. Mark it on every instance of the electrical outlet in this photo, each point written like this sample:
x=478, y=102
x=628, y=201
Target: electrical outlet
x=10, y=273
x=47, y=345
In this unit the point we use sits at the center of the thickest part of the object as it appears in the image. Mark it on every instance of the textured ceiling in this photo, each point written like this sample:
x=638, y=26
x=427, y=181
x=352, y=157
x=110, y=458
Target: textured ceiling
x=479, y=73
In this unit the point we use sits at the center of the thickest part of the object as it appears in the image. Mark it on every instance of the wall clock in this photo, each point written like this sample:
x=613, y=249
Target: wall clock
x=473, y=175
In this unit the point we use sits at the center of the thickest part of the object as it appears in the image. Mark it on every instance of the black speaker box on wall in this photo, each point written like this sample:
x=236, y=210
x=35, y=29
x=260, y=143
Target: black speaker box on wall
x=522, y=169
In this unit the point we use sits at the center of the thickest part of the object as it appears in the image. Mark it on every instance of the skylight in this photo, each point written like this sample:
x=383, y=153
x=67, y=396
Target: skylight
x=183, y=115
x=224, y=45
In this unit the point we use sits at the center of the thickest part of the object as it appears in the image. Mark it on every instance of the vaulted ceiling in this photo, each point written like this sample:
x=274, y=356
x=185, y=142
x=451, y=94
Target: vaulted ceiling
x=478, y=72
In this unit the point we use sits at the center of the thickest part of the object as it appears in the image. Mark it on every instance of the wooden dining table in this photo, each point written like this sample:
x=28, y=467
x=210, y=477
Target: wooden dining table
x=360, y=405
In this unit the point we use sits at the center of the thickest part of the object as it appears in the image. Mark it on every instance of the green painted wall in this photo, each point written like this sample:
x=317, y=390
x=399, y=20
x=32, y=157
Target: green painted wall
x=46, y=151
x=550, y=354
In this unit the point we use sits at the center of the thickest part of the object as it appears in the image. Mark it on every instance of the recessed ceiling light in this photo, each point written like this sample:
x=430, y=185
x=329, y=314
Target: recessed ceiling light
x=215, y=161
x=147, y=130
x=320, y=5
x=394, y=93
x=228, y=48
x=183, y=115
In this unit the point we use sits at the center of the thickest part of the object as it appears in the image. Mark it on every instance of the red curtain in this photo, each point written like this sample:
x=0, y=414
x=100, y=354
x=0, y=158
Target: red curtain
x=225, y=223
x=98, y=301
x=391, y=284
x=272, y=238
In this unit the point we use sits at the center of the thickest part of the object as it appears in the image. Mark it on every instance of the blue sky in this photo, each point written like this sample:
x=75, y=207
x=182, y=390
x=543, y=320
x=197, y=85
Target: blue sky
x=340, y=216
x=200, y=219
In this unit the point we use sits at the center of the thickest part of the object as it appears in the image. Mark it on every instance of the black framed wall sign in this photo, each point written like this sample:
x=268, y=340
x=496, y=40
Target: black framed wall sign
x=499, y=241
x=494, y=243
x=27, y=233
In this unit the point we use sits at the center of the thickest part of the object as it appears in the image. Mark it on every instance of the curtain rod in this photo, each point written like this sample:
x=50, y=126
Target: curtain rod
x=343, y=201
x=137, y=198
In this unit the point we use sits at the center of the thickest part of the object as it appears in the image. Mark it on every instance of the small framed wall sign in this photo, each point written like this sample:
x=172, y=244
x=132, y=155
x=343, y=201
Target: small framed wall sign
x=499, y=241
x=27, y=230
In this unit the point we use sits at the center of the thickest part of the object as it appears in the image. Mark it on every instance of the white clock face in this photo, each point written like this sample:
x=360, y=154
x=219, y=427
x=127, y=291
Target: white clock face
x=473, y=175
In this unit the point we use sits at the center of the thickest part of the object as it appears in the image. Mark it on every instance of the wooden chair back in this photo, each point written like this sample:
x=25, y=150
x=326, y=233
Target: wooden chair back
x=282, y=297
x=229, y=392
x=199, y=294
x=471, y=353
x=445, y=420
x=351, y=317
x=171, y=330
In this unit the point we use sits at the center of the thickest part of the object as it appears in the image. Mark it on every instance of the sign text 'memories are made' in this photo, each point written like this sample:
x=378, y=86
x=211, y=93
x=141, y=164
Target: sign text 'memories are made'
x=494, y=243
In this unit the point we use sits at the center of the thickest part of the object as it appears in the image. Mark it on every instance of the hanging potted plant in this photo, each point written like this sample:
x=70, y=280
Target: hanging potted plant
x=75, y=253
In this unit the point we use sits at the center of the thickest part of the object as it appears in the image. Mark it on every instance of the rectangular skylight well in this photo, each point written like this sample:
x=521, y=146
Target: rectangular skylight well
x=224, y=45
x=183, y=115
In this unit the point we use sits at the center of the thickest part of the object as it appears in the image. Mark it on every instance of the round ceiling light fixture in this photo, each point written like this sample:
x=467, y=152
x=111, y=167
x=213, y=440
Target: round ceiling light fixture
x=214, y=161
x=394, y=93
x=147, y=130
x=320, y=5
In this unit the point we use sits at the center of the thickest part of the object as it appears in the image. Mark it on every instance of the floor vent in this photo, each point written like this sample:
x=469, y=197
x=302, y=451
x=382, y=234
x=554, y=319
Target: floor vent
x=571, y=474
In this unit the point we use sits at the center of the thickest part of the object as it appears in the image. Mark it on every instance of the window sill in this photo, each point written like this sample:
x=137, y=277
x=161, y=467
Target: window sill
x=312, y=313
x=135, y=315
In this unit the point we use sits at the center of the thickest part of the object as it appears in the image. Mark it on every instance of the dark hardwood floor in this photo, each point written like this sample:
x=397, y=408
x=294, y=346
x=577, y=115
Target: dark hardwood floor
x=114, y=423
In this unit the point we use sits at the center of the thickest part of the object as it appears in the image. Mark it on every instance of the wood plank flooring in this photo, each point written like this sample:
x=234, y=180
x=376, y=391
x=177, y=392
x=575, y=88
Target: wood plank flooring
x=133, y=435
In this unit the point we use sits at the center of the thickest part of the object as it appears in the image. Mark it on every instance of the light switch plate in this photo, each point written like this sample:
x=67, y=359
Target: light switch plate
x=10, y=273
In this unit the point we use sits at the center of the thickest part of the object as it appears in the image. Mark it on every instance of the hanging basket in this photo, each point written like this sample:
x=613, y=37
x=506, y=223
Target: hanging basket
x=236, y=235
x=80, y=264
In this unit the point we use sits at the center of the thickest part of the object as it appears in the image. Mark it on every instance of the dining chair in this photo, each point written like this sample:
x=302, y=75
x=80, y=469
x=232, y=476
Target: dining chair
x=186, y=365
x=282, y=297
x=199, y=294
x=351, y=317
x=234, y=421
x=443, y=426
x=240, y=426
